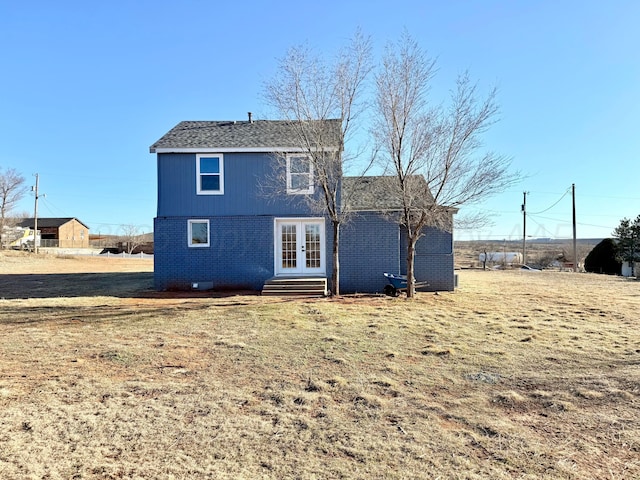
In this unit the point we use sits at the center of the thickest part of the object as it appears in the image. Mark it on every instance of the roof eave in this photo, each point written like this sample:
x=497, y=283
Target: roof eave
x=235, y=149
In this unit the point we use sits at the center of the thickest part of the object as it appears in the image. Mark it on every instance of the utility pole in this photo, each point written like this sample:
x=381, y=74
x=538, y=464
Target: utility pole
x=35, y=217
x=524, y=229
x=575, y=247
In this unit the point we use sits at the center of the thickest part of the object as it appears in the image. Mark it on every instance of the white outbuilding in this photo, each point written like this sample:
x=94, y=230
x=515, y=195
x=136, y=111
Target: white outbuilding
x=500, y=258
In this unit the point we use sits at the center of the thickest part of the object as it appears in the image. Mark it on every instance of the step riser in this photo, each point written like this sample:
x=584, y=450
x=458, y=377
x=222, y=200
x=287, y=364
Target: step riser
x=285, y=287
x=292, y=294
x=293, y=288
x=311, y=287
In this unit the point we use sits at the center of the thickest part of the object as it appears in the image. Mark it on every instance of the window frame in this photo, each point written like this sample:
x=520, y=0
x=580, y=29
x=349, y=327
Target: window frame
x=190, y=224
x=299, y=191
x=199, y=190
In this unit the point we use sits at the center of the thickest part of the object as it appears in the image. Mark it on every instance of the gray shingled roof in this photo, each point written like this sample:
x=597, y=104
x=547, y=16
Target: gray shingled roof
x=375, y=193
x=258, y=134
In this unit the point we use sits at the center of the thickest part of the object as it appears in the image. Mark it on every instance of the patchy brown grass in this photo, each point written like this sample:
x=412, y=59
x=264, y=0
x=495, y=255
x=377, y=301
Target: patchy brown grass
x=516, y=375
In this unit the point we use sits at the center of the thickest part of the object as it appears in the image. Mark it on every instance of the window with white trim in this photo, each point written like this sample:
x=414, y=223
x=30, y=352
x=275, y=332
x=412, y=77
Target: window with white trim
x=210, y=174
x=198, y=233
x=299, y=174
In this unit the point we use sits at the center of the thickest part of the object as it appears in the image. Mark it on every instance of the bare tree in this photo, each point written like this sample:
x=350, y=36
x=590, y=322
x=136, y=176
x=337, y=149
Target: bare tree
x=131, y=237
x=312, y=94
x=566, y=255
x=12, y=189
x=432, y=151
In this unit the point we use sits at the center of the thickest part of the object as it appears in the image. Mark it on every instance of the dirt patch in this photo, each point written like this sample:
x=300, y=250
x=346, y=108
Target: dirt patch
x=24, y=275
x=26, y=263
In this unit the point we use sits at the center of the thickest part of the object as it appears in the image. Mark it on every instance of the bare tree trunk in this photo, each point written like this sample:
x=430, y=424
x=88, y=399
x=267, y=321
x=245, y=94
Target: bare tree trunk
x=335, y=273
x=411, y=255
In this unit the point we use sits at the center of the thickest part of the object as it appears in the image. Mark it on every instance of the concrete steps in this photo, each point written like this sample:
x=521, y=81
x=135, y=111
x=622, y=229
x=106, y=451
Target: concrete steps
x=296, y=286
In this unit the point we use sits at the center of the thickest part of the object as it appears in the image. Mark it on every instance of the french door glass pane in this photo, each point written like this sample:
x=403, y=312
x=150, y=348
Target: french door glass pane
x=312, y=246
x=289, y=243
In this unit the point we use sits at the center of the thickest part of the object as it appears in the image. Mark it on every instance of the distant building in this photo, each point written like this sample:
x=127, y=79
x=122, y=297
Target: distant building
x=629, y=269
x=59, y=232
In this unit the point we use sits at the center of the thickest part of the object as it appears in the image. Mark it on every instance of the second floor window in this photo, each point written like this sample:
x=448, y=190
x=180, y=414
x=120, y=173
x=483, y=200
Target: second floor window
x=210, y=174
x=299, y=174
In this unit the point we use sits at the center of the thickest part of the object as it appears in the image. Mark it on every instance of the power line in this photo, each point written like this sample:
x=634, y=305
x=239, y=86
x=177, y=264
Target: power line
x=579, y=223
x=585, y=195
x=51, y=207
x=556, y=203
x=544, y=229
x=549, y=218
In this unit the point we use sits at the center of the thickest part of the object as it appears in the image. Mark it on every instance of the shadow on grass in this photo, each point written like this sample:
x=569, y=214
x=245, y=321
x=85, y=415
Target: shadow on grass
x=119, y=284
x=127, y=285
x=112, y=284
x=20, y=315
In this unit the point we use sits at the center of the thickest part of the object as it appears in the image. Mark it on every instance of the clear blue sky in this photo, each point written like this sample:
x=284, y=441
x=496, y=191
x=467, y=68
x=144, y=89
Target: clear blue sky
x=87, y=87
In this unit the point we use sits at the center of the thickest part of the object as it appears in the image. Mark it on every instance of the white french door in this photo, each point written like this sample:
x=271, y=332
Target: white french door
x=299, y=246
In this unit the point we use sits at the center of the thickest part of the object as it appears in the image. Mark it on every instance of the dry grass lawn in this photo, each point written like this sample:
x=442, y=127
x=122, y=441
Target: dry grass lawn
x=516, y=375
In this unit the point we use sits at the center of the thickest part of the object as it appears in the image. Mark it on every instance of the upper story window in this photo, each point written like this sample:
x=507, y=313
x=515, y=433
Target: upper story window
x=210, y=174
x=299, y=174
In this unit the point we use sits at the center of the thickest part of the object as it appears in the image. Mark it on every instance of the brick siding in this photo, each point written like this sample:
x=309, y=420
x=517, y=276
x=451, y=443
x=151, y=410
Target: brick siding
x=241, y=254
x=368, y=248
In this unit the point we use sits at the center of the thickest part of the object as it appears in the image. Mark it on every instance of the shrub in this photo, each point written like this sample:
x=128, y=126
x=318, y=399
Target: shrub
x=602, y=259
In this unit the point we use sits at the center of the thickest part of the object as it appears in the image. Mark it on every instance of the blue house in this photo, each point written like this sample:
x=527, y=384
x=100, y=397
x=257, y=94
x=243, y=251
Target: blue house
x=232, y=214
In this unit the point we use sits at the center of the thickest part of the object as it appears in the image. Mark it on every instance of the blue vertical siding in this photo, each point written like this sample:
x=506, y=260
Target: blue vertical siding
x=253, y=185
